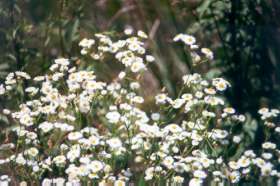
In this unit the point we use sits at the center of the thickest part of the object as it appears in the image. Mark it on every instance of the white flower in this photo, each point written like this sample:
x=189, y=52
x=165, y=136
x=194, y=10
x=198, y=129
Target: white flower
x=142, y=34
x=267, y=156
x=219, y=134
x=32, y=152
x=26, y=120
x=20, y=159
x=32, y=90
x=220, y=84
x=200, y=174
x=205, y=113
x=174, y=128
x=137, y=99
x=93, y=140
x=128, y=31
x=191, y=79
x=168, y=161
x=46, y=126
x=178, y=179
x=236, y=139
x=266, y=169
x=59, y=181
x=72, y=172
x=234, y=177
x=244, y=162
x=229, y=110
x=250, y=153
x=263, y=110
x=86, y=43
x=149, y=173
x=195, y=182
x=161, y=98
x=268, y=145
x=47, y=181
x=62, y=61
x=2, y=89
x=96, y=166
x=59, y=160
x=73, y=154
x=114, y=143
x=121, y=75
x=155, y=116
x=208, y=53
x=210, y=91
x=6, y=111
x=234, y=165
x=84, y=106
x=187, y=39
x=137, y=66
x=187, y=97
x=113, y=116
x=177, y=103
x=72, y=136
x=213, y=101
x=134, y=85
x=119, y=183
x=150, y=58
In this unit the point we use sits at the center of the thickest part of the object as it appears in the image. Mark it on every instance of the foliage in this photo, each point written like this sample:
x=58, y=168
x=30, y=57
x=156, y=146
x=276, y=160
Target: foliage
x=75, y=125
x=243, y=34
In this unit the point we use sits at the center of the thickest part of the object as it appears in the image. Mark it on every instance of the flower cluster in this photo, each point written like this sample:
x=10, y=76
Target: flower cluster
x=73, y=124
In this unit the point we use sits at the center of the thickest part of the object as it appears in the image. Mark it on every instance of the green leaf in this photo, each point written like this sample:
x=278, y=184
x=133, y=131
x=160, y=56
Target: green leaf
x=71, y=33
x=202, y=8
x=141, y=182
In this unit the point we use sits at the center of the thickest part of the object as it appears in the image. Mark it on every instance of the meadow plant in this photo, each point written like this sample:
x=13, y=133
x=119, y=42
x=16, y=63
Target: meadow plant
x=74, y=125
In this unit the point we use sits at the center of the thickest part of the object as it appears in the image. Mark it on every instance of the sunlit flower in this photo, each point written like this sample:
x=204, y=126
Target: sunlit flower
x=113, y=116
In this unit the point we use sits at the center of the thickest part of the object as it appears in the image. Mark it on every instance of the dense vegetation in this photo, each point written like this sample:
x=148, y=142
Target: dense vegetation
x=243, y=34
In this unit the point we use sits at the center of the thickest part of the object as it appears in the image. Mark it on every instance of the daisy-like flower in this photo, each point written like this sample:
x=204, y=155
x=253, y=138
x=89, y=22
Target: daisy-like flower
x=113, y=116
x=177, y=103
x=244, y=162
x=93, y=140
x=32, y=152
x=229, y=110
x=149, y=173
x=150, y=58
x=208, y=53
x=195, y=182
x=46, y=127
x=142, y=34
x=86, y=43
x=168, y=161
x=263, y=110
x=200, y=174
x=2, y=89
x=137, y=66
x=178, y=179
x=187, y=39
x=59, y=160
x=161, y=98
x=95, y=166
x=220, y=84
x=72, y=136
x=128, y=31
x=114, y=143
x=119, y=183
x=234, y=176
x=268, y=145
x=174, y=128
